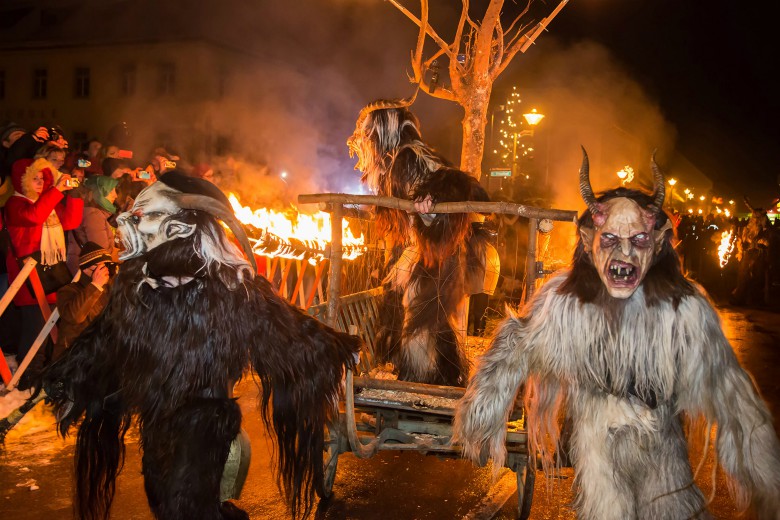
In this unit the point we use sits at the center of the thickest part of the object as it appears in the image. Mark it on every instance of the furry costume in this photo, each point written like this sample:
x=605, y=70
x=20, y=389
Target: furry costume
x=432, y=258
x=186, y=317
x=630, y=347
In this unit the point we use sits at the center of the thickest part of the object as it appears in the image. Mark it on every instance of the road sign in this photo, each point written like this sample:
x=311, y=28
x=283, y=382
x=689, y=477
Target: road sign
x=500, y=172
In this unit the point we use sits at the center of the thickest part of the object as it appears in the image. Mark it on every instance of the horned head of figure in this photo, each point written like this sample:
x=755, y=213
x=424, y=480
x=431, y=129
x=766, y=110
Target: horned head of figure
x=154, y=218
x=623, y=239
x=359, y=142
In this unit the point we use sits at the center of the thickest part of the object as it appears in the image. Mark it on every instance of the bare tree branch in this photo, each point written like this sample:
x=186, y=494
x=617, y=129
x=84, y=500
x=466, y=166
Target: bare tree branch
x=417, y=67
x=498, y=54
x=517, y=19
x=484, y=36
x=522, y=44
x=429, y=30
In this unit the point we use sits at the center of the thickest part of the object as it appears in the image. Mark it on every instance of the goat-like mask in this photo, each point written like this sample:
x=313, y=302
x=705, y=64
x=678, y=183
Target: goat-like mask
x=623, y=241
x=147, y=224
x=150, y=222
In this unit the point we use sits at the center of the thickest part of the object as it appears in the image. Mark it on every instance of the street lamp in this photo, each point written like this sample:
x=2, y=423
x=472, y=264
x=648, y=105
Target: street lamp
x=533, y=117
x=672, y=182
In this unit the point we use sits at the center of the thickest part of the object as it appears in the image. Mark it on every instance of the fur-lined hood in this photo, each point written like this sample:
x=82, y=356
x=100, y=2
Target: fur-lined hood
x=24, y=170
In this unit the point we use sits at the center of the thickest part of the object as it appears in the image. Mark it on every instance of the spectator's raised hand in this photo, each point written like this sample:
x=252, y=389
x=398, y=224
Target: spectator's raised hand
x=100, y=276
x=64, y=183
x=41, y=134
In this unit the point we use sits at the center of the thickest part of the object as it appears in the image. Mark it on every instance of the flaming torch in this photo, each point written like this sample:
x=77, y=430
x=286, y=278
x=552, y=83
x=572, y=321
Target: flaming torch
x=726, y=247
x=295, y=237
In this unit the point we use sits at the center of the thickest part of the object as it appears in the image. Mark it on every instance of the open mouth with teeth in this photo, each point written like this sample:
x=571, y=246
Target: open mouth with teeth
x=622, y=274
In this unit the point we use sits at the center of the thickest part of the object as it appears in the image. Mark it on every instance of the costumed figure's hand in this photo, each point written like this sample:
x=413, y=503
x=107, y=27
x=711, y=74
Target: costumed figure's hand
x=423, y=206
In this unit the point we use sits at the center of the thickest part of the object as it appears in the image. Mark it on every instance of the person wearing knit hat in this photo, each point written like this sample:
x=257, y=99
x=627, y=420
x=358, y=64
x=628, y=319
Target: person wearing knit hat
x=95, y=226
x=84, y=299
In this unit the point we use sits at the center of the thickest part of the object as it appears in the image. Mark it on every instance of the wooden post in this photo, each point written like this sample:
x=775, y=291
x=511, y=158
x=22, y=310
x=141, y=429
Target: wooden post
x=315, y=285
x=334, y=283
x=530, y=259
x=301, y=266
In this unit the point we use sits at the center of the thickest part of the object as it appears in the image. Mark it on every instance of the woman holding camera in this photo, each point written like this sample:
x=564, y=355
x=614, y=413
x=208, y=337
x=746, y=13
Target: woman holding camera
x=96, y=223
x=36, y=217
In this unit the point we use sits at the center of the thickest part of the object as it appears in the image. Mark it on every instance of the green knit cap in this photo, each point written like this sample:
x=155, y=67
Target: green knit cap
x=101, y=186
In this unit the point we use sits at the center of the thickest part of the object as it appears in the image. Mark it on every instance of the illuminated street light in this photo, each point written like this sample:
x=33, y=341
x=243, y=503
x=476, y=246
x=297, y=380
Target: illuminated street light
x=701, y=198
x=533, y=117
x=731, y=202
x=687, y=191
x=672, y=182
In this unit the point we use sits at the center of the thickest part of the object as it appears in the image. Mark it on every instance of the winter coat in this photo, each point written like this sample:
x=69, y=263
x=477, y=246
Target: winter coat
x=79, y=303
x=95, y=228
x=24, y=219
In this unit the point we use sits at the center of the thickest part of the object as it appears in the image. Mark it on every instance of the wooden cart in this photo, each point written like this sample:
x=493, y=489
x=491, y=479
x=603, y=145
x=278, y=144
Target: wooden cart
x=380, y=413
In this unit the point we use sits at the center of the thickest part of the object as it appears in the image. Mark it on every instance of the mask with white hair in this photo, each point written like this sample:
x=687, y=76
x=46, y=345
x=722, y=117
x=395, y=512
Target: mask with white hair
x=157, y=217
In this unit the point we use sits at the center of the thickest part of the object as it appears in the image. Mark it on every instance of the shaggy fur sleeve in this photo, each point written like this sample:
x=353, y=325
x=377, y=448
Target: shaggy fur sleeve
x=300, y=363
x=480, y=420
x=713, y=384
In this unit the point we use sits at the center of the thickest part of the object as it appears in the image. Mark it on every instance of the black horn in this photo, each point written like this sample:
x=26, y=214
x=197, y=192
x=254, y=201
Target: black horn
x=586, y=190
x=223, y=213
x=659, y=185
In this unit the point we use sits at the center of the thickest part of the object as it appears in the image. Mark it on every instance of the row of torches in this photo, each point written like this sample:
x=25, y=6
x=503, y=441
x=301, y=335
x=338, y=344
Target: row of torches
x=274, y=234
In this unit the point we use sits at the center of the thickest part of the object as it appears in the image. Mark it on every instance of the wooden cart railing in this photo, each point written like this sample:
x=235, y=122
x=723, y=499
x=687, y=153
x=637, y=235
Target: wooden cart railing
x=386, y=414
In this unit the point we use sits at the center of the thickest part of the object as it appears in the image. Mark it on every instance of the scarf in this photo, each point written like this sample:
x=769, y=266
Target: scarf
x=52, y=238
x=101, y=186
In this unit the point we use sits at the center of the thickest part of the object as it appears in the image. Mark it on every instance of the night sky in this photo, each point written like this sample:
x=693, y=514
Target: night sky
x=711, y=66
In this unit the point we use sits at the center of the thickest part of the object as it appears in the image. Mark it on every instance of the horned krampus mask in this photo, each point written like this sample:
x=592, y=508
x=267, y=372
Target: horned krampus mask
x=623, y=240
x=156, y=217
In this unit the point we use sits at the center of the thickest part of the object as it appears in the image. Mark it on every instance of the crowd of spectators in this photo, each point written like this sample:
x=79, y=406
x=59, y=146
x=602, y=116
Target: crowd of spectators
x=735, y=258
x=59, y=205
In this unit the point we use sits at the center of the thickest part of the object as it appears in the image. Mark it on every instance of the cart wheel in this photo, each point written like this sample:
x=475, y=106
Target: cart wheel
x=330, y=458
x=526, y=475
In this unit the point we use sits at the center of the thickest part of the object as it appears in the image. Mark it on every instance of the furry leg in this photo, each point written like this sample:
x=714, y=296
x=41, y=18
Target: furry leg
x=184, y=457
x=666, y=488
x=100, y=453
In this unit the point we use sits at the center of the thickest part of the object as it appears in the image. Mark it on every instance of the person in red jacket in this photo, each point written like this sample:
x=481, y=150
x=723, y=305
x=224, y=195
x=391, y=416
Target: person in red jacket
x=36, y=216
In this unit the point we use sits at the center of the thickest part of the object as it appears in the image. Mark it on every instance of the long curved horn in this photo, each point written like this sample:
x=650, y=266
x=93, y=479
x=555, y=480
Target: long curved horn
x=385, y=103
x=217, y=209
x=659, y=185
x=586, y=190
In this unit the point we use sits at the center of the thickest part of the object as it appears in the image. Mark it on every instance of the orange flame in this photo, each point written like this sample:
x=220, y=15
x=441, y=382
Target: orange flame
x=725, y=248
x=309, y=236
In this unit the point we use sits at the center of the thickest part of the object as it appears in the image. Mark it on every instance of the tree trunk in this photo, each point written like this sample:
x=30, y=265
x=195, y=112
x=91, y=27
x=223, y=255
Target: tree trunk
x=474, y=122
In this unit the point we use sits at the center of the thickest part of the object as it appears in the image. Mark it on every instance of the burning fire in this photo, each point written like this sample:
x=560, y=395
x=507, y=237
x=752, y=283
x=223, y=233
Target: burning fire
x=275, y=234
x=725, y=248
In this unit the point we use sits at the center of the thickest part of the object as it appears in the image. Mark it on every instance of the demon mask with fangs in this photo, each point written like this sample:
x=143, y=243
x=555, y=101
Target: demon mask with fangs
x=623, y=240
